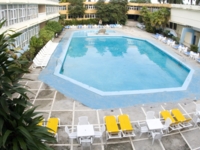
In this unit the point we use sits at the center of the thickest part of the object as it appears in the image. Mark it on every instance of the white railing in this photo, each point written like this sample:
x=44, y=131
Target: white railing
x=183, y=6
x=42, y=14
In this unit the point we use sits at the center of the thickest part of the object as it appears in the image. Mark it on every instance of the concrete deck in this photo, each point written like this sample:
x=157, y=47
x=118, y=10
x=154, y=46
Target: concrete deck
x=54, y=104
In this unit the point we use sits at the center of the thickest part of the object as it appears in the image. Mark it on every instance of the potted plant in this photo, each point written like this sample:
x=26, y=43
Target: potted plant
x=194, y=48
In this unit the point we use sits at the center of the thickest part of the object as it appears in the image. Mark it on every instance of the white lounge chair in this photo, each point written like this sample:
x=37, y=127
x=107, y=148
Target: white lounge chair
x=180, y=48
x=172, y=44
x=160, y=38
x=169, y=41
x=39, y=63
x=164, y=40
x=196, y=56
x=185, y=50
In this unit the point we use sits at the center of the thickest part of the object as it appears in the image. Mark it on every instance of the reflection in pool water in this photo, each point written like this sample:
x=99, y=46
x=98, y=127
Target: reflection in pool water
x=121, y=64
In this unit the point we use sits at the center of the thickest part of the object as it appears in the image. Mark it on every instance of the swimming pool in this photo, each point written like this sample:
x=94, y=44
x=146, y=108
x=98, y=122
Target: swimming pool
x=120, y=65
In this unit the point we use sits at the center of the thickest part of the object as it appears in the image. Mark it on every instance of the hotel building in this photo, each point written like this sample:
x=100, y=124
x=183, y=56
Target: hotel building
x=27, y=17
x=184, y=18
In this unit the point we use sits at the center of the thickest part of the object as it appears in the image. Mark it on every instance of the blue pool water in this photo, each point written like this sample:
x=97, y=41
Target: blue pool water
x=121, y=64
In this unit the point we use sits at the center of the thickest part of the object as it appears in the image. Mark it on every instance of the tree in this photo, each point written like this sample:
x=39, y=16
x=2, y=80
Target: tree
x=76, y=9
x=171, y=1
x=62, y=19
x=156, y=20
x=146, y=17
x=46, y=35
x=36, y=43
x=160, y=18
x=140, y=1
x=54, y=26
x=115, y=11
x=197, y=2
x=18, y=124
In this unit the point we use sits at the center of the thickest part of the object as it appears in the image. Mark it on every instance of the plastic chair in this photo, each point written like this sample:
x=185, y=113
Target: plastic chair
x=156, y=136
x=143, y=128
x=150, y=115
x=196, y=56
x=196, y=119
x=85, y=141
x=72, y=135
x=83, y=120
x=98, y=134
x=166, y=126
x=197, y=108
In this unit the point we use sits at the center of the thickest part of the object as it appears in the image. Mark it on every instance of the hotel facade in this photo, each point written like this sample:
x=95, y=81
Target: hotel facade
x=27, y=17
x=184, y=18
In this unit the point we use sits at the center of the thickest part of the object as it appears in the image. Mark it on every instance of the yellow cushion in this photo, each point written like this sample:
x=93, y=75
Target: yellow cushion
x=125, y=123
x=111, y=124
x=166, y=114
x=178, y=115
x=53, y=124
x=40, y=123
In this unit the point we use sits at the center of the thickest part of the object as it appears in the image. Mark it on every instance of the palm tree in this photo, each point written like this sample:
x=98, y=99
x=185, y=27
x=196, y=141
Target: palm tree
x=18, y=124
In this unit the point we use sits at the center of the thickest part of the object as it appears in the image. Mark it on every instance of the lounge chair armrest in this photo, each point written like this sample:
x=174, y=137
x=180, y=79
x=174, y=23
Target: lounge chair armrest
x=188, y=119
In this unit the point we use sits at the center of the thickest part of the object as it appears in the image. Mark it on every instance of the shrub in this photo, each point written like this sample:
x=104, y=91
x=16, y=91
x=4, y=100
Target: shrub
x=194, y=48
x=46, y=35
x=54, y=26
x=140, y=19
x=83, y=22
x=36, y=43
x=18, y=124
x=176, y=39
x=166, y=33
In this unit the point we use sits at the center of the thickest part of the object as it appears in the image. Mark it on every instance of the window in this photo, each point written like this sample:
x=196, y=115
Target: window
x=3, y=13
x=22, y=13
x=90, y=7
x=12, y=14
x=62, y=8
x=90, y=15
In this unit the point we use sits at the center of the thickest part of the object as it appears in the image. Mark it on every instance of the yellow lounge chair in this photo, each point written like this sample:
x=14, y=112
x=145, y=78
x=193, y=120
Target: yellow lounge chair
x=41, y=123
x=174, y=123
x=125, y=125
x=166, y=114
x=112, y=128
x=184, y=122
x=53, y=124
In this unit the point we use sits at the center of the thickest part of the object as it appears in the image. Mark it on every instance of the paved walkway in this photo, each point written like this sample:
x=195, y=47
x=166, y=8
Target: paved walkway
x=54, y=104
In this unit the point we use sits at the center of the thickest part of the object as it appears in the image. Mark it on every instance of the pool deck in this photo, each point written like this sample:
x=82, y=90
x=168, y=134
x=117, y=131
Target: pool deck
x=52, y=103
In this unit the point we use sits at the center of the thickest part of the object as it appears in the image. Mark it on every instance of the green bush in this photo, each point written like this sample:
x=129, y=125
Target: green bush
x=46, y=35
x=194, y=48
x=36, y=43
x=140, y=19
x=18, y=122
x=166, y=33
x=176, y=39
x=54, y=26
x=83, y=22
